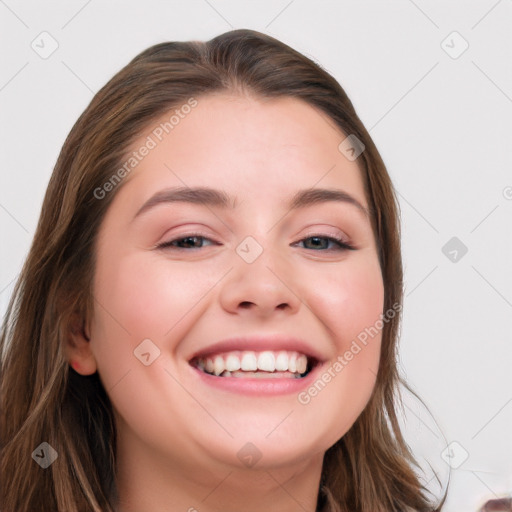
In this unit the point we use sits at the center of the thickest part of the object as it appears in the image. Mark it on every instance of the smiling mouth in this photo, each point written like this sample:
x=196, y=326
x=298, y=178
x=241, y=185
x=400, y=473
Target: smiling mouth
x=256, y=365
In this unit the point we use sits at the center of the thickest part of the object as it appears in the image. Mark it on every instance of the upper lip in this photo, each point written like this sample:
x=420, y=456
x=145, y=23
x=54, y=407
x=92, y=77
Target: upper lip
x=258, y=344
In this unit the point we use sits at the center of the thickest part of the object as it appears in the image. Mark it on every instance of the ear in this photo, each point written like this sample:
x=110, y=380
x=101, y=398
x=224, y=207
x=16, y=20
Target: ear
x=78, y=347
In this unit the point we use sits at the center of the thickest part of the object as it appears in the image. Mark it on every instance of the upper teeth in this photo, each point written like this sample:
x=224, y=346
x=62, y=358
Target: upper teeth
x=267, y=361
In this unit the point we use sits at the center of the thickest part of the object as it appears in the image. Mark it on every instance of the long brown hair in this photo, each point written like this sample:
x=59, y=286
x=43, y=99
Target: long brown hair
x=42, y=400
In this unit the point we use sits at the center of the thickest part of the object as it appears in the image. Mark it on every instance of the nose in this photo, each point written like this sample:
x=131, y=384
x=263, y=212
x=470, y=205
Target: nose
x=262, y=288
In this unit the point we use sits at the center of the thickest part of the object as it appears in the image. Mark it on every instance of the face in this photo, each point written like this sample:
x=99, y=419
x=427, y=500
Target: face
x=256, y=281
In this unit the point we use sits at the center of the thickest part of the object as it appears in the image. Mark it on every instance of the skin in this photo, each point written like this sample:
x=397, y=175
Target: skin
x=178, y=437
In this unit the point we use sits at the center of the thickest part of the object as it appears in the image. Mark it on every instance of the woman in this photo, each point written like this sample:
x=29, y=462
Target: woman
x=256, y=372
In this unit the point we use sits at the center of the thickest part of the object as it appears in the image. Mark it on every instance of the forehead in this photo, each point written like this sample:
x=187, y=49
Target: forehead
x=247, y=126
x=254, y=146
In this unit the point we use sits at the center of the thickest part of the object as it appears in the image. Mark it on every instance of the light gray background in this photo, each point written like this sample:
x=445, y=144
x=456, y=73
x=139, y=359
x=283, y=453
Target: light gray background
x=442, y=124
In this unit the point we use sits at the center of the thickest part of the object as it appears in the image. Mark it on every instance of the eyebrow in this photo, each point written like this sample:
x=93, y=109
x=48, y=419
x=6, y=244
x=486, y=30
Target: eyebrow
x=219, y=199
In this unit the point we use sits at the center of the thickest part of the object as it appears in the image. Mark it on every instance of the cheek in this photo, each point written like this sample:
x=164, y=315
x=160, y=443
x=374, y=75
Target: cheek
x=350, y=303
x=140, y=298
x=149, y=296
x=349, y=298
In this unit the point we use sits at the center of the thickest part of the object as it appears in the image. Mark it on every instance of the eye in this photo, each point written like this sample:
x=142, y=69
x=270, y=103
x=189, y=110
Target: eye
x=319, y=243
x=194, y=241
x=190, y=241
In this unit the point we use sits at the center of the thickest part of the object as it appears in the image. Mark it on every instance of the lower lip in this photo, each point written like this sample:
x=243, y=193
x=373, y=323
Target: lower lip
x=259, y=387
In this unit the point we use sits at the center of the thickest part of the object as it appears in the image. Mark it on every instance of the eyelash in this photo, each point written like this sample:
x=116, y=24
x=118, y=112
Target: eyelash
x=342, y=245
